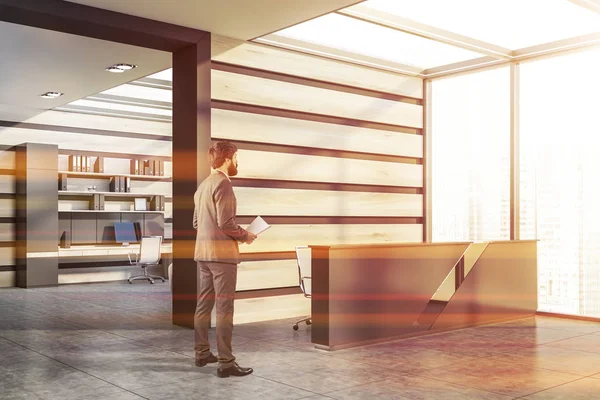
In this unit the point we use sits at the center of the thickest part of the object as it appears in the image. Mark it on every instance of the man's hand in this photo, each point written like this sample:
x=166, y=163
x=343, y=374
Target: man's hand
x=251, y=238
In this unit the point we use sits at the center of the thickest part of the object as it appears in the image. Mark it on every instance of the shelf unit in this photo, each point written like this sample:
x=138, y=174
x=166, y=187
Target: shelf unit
x=109, y=194
x=109, y=211
x=105, y=175
x=95, y=225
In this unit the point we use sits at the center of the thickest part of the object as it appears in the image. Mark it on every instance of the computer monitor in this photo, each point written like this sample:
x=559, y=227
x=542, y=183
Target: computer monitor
x=125, y=233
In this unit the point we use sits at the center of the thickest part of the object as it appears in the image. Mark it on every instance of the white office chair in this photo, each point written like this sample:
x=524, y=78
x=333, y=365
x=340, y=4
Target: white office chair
x=149, y=256
x=303, y=255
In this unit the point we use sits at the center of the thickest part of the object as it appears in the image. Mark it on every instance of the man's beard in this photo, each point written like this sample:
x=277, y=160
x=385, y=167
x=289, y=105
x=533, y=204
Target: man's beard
x=232, y=170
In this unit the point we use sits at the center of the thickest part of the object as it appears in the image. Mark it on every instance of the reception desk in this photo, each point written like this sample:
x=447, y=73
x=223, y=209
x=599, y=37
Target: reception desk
x=371, y=293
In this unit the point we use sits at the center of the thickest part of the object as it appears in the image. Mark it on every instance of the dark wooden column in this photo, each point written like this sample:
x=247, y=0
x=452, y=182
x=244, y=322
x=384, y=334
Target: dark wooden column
x=191, y=141
x=37, y=215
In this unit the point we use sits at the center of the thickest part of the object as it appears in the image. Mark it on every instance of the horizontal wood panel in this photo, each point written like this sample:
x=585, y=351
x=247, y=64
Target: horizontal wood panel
x=292, y=202
x=269, y=58
x=8, y=279
x=256, y=275
x=326, y=119
x=7, y=157
x=86, y=142
x=274, y=184
x=241, y=126
x=7, y=184
x=246, y=89
x=7, y=255
x=287, y=237
x=7, y=207
x=292, y=167
x=7, y=232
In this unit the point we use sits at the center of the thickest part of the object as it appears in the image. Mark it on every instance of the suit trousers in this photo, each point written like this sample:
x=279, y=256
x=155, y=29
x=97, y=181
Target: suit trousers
x=216, y=284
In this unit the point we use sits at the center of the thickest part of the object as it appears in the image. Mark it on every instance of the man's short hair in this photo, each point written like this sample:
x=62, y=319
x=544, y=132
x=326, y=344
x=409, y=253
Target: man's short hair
x=220, y=151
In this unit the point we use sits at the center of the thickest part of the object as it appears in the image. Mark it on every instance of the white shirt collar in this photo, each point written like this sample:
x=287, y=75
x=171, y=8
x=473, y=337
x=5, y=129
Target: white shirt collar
x=227, y=176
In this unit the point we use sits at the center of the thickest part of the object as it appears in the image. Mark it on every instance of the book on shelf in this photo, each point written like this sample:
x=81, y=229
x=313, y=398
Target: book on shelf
x=95, y=202
x=134, y=167
x=62, y=181
x=99, y=165
x=157, y=203
x=127, y=184
x=74, y=163
x=115, y=184
x=149, y=167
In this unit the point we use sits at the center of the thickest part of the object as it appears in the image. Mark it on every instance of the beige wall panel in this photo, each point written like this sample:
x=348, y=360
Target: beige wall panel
x=168, y=168
x=267, y=274
x=235, y=125
x=8, y=279
x=162, y=188
x=254, y=55
x=77, y=120
x=7, y=208
x=292, y=202
x=287, y=237
x=86, y=142
x=7, y=184
x=168, y=209
x=7, y=232
x=7, y=157
x=70, y=205
x=269, y=308
x=290, y=96
x=7, y=256
x=293, y=167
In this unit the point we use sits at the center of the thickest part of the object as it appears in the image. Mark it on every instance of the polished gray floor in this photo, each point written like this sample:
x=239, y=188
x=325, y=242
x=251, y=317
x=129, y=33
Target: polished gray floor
x=116, y=341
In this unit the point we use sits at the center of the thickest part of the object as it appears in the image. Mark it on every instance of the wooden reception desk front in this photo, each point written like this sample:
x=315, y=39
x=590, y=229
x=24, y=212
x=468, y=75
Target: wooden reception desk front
x=372, y=293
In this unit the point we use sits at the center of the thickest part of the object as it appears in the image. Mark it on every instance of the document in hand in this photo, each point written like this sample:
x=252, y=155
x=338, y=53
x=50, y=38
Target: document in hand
x=258, y=226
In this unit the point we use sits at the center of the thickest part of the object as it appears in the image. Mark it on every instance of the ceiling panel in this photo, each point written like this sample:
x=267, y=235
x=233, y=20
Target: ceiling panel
x=35, y=61
x=240, y=19
x=513, y=24
x=349, y=34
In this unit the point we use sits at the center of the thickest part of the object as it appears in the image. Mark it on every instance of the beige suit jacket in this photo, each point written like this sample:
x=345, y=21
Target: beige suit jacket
x=217, y=233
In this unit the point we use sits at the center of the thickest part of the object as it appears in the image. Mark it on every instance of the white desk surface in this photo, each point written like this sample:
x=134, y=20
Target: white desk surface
x=91, y=250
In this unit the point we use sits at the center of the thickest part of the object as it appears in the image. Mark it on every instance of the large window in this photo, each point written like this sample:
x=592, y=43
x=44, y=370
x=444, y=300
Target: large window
x=560, y=178
x=471, y=157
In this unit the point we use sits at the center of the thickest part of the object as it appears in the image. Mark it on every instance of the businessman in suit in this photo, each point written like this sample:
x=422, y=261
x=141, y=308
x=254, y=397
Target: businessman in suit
x=217, y=255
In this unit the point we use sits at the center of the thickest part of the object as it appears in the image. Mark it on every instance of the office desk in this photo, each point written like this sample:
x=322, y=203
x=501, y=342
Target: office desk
x=372, y=293
x=109, y=250
x=97, y=256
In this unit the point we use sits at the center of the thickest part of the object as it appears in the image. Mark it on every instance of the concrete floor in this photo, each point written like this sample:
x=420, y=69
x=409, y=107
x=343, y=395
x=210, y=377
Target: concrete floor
x=116, y=341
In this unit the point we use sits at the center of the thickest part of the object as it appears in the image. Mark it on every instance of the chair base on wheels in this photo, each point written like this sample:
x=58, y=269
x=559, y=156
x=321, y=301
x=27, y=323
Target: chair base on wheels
x=149, y=278
x=308, y=321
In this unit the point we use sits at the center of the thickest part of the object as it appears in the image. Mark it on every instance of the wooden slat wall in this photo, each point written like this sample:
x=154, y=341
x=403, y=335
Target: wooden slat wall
x=292, y=167
x=297, y=132
x=311, y=150
x=280, y=238
x=255, y=55
x=298, y=202
x=248, y=89
x=255, y=275
x=330, y=151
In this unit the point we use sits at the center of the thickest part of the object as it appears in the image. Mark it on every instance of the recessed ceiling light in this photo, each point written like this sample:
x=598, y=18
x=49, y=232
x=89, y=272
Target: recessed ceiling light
x=119, y=68
x=51, y=95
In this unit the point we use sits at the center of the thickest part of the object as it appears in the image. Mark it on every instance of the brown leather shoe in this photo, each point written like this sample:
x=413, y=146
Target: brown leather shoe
x=201, y=362
x=234, y=370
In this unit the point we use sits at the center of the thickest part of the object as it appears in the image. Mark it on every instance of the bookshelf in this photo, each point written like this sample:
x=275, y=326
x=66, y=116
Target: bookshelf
x=100, y=175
